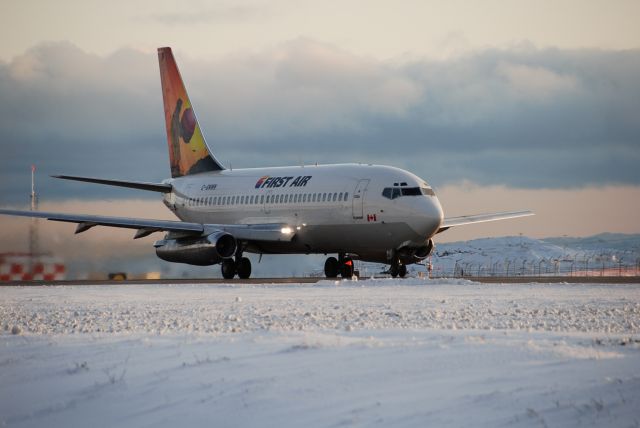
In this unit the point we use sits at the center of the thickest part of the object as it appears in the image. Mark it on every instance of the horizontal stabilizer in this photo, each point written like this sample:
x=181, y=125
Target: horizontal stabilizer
x=480, y=218
x=140, y=185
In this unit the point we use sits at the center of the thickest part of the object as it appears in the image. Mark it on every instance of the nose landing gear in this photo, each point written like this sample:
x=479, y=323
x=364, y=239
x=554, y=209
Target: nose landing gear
x=398, y=269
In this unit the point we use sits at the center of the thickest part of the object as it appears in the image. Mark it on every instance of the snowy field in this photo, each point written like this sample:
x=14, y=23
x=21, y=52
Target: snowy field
x=367, y=353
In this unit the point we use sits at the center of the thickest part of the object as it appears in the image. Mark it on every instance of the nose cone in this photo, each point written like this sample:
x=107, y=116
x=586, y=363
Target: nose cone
x=426, y=216
x=435, y=213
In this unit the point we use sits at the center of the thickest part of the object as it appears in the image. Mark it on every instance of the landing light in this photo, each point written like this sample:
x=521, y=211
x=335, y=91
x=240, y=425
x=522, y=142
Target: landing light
x=286, y=230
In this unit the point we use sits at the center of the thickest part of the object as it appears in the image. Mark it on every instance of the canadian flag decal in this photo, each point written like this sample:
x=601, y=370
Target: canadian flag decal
x=371, y=217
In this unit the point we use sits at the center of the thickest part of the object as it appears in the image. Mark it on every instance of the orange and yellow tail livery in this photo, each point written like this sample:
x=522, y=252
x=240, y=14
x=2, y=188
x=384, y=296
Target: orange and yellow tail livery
x=188, y=151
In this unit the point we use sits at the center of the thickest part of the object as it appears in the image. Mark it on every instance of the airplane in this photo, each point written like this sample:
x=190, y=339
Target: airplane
x=365, y=212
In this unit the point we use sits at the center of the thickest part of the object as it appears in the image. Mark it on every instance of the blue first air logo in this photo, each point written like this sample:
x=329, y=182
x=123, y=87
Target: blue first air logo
x=268, y=181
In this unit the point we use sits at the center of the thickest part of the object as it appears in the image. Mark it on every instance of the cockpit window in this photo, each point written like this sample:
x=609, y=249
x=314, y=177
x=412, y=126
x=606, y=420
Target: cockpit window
x=427, y=191
x=396, y=192
x=411, y=191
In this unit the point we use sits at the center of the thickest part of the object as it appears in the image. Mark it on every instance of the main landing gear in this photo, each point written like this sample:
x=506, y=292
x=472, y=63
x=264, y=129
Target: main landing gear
x=342, y=265
x=240, y=265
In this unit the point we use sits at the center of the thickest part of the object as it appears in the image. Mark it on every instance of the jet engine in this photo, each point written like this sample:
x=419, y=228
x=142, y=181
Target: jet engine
x=409, y=255
x=424, y=251
x=200, y=251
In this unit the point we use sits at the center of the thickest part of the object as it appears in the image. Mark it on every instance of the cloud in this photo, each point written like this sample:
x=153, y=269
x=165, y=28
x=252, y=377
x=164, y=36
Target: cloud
x=211, y=14
x=537, y=83
x=521, y=117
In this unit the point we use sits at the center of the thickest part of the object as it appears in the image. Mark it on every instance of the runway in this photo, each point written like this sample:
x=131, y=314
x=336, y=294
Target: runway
x=313, y=280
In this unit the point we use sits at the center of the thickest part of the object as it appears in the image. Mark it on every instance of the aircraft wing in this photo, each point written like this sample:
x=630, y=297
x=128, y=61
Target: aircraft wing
x=145, y=227
x=480, y=218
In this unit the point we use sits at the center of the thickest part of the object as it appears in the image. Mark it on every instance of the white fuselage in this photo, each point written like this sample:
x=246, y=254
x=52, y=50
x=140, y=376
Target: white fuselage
x=331, y=208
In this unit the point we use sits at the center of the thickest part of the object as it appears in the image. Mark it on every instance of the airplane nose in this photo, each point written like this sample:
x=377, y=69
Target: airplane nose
x=435, y=212
x=428, y=216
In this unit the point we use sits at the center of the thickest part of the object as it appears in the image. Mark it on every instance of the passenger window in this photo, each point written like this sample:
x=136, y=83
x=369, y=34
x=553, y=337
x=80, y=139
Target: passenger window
x=335, y=196
x=262, y=199
x=346, y=196
x=304, y=197
x=324, y=197
x=339, y=196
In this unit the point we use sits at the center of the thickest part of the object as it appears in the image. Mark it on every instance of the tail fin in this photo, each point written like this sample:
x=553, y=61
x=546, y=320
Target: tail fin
x=188, y=151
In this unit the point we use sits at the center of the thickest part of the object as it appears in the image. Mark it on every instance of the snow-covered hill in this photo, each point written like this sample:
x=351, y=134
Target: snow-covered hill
x=520, y=255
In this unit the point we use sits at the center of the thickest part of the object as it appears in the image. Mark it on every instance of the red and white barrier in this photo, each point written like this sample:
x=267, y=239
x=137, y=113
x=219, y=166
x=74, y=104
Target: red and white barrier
x=24, y=268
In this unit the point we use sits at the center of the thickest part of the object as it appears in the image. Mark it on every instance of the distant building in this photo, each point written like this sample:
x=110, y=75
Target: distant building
x=24, y=267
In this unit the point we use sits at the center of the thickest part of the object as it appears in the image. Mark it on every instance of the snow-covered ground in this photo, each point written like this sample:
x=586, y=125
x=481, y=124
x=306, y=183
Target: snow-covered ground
x=374, y=352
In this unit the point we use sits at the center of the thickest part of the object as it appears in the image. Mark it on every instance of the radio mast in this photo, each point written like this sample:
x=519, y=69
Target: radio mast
x=33, y=229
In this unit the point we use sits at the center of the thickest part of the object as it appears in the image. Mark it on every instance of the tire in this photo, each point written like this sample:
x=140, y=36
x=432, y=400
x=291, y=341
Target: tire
x=402, y=271
x=331, y=267
x=346, y=270
x=228, y=268
x=394, y=270
x=243, y=268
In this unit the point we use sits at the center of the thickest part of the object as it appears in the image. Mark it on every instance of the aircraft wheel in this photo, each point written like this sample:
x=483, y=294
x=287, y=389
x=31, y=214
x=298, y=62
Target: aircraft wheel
x=331, y=267
x=402, y=271
x=228, y=268
x=394, y=270
x=346, y=270
x=243, y=267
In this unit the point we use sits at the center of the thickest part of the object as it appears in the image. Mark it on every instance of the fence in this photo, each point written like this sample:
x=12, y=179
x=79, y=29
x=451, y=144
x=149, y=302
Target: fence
x=540, y=267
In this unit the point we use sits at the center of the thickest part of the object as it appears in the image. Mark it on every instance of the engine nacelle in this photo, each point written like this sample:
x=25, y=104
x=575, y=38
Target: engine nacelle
x=200, y=251
x=409, y=255
x=425, y=251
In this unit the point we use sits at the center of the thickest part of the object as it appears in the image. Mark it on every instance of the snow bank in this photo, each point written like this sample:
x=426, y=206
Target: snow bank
x=349, y=305
x=372, y=352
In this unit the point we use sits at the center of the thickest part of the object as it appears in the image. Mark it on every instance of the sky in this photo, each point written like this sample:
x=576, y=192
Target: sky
x=500, y=105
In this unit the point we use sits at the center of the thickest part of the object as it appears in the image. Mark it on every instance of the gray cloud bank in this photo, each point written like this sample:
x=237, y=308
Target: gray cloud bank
x=522, y=117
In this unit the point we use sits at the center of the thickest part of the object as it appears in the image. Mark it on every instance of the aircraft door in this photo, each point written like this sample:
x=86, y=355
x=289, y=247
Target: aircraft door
x=268, y=202
x=358, y=198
